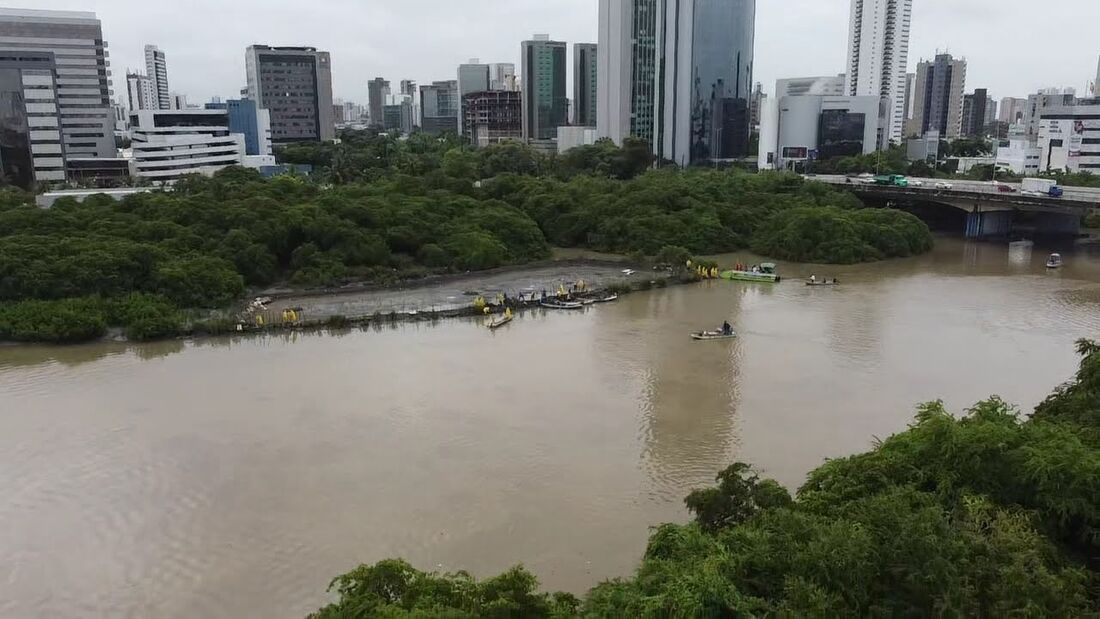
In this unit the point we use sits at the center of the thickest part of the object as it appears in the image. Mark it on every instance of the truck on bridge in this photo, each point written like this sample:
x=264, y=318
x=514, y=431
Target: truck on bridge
x=1041, y=187
x=892, y=180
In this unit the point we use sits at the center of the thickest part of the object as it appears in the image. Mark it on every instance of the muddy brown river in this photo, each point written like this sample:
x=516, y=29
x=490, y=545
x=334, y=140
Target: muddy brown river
x=236, y=477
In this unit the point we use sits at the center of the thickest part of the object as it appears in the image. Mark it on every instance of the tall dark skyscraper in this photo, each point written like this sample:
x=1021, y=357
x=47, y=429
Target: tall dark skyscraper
x=378, y=90
x=585, y=94
x=545, y=102
x=938, y=94
x=295, y=85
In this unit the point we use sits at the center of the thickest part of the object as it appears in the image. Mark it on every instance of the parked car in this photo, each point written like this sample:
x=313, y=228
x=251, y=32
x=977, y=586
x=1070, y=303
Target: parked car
x=942, y=185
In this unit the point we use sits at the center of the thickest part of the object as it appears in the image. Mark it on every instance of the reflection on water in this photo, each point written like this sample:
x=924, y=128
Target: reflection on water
x=234, y=476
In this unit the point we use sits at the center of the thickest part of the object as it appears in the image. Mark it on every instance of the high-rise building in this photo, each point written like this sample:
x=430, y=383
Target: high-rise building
x=627, y=69
x=939, y=97
x=1096, y=82
x=473, y=76
x=755, y=102
x=585, y=95
x=177, y=101
x=878, y=57
x=378, y=92
x=295, y=85
x=439, y=107
x=31, y=149
x=82, y=71
x=678, y=75
x=156, y=67
x=975, y=112
x=1012, y=110
x=142, y=93
x=493, y=116
x=706, y=80
x=545, y=101
x=502, y=76
x=910, y=100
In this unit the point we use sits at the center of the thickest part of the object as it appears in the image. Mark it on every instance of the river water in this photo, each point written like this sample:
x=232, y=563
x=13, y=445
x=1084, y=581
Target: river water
x=235, y=477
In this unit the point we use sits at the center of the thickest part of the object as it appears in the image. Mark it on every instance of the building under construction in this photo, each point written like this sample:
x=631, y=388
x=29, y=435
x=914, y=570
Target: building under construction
x=493, y=116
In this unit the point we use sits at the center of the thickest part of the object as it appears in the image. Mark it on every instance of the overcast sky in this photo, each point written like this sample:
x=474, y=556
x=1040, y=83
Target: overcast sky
x=1014, y=47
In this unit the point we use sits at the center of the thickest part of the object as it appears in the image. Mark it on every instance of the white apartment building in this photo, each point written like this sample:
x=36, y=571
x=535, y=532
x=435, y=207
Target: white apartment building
x=878, y=57
x=156, y=67
x=142, y=94
x=169, y=144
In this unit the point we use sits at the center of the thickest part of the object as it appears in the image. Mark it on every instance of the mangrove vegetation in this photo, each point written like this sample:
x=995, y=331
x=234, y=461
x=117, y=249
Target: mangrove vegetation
x=382, y=210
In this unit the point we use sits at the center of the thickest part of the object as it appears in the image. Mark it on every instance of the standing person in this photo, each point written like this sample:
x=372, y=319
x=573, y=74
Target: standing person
x=813, y=279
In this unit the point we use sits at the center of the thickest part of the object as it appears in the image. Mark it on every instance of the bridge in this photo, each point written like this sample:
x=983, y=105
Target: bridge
x=990, y=212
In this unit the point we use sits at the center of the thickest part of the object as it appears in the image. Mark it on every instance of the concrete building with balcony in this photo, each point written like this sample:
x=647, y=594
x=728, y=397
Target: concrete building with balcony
x=169, y=144
x=938, y=95
x=878, y=57
x=295, y=85
x=82, y=70
x=141, y=93
x=493, y=116
x=156, y=67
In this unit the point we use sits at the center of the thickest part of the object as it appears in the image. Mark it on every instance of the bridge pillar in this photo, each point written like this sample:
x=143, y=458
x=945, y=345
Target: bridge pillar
x=989, y=224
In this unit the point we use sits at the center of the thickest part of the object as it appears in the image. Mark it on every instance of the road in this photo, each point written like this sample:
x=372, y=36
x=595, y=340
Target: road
x=1072, y=194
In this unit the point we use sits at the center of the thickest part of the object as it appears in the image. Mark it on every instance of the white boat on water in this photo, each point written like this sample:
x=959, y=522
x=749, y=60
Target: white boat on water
x=1055, y=261
x=705, y=336
x=561, y=305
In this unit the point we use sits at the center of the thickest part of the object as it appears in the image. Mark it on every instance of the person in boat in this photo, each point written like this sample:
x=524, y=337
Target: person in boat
x=813, y=279
x=727, y=328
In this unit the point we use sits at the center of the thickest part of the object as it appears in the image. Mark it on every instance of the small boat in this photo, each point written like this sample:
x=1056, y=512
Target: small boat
x=767, y=274
x=609, y=299
x=500, y=322
x=825, y=282
x=561, y=305
x=1055, y=261
x=628, y=272
x=705, y=336
x=588, y=302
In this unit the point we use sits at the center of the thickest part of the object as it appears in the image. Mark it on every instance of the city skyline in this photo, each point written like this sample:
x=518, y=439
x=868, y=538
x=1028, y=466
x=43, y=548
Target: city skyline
x=799, y=38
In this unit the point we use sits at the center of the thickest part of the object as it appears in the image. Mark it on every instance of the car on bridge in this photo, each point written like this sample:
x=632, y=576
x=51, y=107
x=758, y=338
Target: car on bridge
x=943, y=185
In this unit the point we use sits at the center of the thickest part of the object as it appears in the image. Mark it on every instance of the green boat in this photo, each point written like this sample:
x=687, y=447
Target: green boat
x=767, y=275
